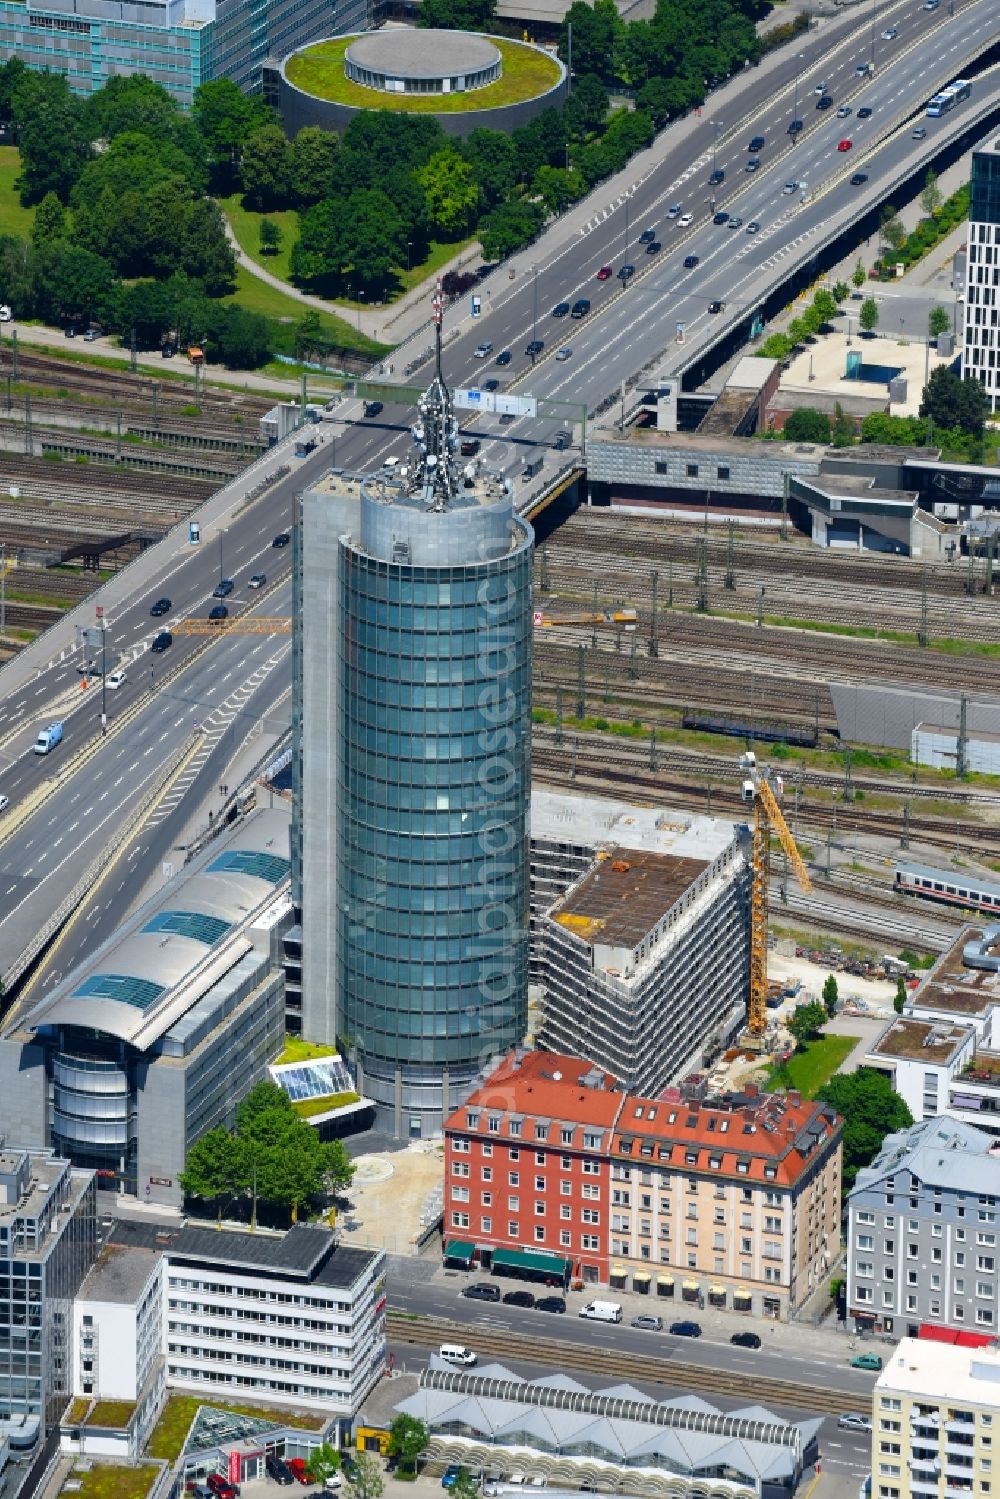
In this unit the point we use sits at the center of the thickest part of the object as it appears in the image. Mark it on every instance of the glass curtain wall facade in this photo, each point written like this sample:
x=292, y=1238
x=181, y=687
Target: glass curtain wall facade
x=981, y=350
x=433, y=792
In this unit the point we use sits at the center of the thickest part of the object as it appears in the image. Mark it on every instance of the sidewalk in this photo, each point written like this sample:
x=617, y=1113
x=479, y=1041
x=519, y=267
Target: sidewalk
x=396, y=321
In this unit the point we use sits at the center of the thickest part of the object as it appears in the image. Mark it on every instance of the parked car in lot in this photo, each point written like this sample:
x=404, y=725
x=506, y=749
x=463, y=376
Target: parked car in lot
x=867, y=1361
x=550, y=1304
x=221, y=1487
x=745, y=1340
x=519, y=1298
x=854, y=1421
x=450, y=1476
x=647, y=1323
x=685, y=1329
x=298, y=1467
x=481, y=1290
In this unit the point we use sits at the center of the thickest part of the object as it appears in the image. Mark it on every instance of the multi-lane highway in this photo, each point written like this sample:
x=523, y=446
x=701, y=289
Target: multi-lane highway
x=43, y=851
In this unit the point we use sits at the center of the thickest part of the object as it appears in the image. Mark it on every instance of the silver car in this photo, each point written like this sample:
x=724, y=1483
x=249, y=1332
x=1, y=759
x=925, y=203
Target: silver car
x=854, y=1421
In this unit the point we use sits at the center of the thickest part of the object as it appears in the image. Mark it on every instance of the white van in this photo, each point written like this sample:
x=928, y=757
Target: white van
x=48, y=738
x=454, y=1353
x=602, y=1311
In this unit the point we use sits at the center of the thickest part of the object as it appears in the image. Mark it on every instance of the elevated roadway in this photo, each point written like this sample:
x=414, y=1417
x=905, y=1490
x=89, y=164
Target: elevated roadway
x=100, y=785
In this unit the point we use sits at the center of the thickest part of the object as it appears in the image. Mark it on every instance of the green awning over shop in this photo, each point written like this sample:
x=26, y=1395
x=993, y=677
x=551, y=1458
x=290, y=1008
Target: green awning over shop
x=524, y=1259
x=458, y=1249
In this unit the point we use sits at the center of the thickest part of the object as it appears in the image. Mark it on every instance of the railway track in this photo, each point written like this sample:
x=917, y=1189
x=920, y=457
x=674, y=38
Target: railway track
x=430, y=1332
x=583, y=764
x=111, y=388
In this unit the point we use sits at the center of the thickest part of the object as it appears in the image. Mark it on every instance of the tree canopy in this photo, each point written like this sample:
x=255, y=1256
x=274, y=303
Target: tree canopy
x=871, y=1109
x=272, y=1156
x=805, y=1020
x=950, y=401
x=807, y=425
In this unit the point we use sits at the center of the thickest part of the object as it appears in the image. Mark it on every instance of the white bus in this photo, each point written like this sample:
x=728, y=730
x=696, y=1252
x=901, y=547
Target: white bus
x=949, y=97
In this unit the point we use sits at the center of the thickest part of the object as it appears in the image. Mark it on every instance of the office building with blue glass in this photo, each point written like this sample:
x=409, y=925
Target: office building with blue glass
x=156, y=1037
x=178, y=43
x=412, y=770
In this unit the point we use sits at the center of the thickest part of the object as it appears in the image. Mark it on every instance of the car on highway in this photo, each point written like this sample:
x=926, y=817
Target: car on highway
x=920, y=134
x=685, y=1329
x=519, y=1298
x=580, y=307
x=162, y=642
x=223, y=588
x=281, y=540
x=686, y=219
x=550, y=1304
x=219, y=612
x=564, y=353
x=491, y=384
x=824, y=103
x=844, y=111
x=503, y=357
x=534, y=347
x=116, y=679
x=844, y=145
x=862, y=70
x=890, y=34
x=753, y=227
x=647, y=236
x=717, y=177
x=373, y=408
x=647, y=1323
x=162, y=606
x=931, y=4
x=794, y=127
x=745, y=1340
x=859, y=179
x=654, y=247
x=753, y=165
x=481, y=1290
x=867, y=1361
x=674, y=210
x=757, y=144
x=820, y=88
x=864, y=113
x=561, y=309
x=257, y=580
x=690, y=261
x=854, y=1421
x=716, y=306
x=790, y=188
x=483, y=350
x=4, y=803
x=605, y=273
x=736, y=222
x=625, y=273
x=469, y=447
x=721, y=217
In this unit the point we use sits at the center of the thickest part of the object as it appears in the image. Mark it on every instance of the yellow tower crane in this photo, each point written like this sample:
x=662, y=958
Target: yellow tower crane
x=763, y=788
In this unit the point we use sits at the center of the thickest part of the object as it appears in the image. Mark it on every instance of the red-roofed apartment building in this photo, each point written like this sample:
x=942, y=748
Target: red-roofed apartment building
x=732, y=1199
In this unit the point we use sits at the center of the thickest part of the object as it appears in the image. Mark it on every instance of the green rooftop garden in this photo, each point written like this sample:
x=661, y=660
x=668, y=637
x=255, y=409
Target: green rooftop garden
x=527, y=72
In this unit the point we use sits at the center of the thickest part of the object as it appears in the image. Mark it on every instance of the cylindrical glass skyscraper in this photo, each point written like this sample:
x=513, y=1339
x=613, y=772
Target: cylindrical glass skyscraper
x=433, y=794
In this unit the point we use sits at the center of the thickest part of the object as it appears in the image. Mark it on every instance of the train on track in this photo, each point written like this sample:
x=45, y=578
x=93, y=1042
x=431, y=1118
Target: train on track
x=947, y=887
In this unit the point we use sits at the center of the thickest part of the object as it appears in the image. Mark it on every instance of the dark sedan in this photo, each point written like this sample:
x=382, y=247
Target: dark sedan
x=162, y=606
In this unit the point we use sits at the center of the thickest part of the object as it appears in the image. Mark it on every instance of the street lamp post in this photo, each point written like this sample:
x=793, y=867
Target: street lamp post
x=104, y=669
x=795, y=106
x=626, y=227
x=716, y=126
x=534, y=305
x=409, y=247
x=361, y=298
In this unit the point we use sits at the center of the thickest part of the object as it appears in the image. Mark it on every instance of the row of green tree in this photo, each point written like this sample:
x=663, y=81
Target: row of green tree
x=271, y=1157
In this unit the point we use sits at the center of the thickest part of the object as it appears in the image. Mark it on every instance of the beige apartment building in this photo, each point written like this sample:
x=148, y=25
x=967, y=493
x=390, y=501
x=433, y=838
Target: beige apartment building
x=936, y=1428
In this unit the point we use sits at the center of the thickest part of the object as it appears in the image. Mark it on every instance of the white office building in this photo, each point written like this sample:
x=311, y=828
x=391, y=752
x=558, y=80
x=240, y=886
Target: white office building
x=981, y=354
